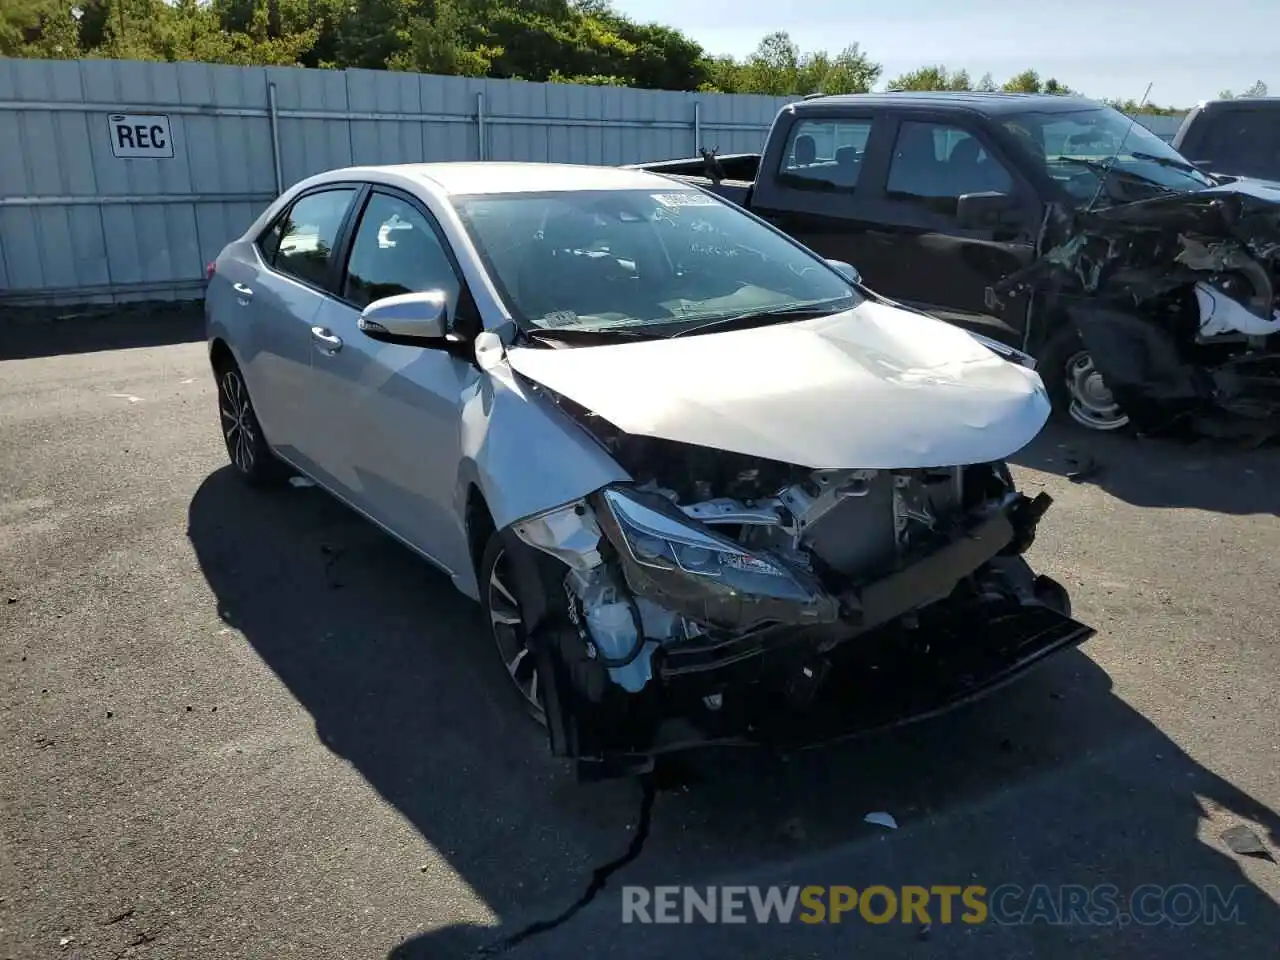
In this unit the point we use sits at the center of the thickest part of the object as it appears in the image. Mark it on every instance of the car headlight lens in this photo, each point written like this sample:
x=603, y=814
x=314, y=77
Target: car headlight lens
x=674, y=561
x=658, y=539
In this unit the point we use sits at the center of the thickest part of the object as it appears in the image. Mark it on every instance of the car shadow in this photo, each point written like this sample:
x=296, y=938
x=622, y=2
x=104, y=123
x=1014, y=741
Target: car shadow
x=395, y=668
x=27, y=333
x=1203, y=474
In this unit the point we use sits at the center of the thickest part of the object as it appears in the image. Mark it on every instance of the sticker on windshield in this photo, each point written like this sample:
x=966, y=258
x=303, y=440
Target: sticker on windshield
x=685, y=198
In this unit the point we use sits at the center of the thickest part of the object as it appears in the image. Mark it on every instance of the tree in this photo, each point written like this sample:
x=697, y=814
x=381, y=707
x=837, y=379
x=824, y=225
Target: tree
x=39, y=28
x=1259, y=89
x=931, y=78
x=560, y=41
x=1028, y=81
x=778, y=68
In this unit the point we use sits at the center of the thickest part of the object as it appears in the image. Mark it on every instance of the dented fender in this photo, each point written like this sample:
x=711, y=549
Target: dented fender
x=524, y=454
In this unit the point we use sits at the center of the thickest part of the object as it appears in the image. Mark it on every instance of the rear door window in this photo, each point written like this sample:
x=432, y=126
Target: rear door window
x=307, y=234
x=825, y=154
x=934, y=164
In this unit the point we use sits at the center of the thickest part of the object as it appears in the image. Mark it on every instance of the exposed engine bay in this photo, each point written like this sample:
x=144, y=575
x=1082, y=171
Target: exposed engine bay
x=1175, y=298
x=720, y=597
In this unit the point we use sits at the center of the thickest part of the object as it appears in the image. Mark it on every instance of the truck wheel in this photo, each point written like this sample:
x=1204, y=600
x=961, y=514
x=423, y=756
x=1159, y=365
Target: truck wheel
x=1075, y=386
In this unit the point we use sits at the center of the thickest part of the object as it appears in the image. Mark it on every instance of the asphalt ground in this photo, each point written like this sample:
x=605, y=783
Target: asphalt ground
x=237, y=724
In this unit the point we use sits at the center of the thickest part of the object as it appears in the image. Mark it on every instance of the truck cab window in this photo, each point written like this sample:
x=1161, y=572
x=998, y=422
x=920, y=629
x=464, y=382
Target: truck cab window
x=935, y=164
x=1244, y=143
x=824, y=154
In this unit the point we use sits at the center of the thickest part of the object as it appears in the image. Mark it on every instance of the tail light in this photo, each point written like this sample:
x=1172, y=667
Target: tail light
x=210, y=268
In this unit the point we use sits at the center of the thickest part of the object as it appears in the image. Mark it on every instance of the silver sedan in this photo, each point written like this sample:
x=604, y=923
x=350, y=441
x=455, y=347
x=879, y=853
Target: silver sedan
x=707, y=486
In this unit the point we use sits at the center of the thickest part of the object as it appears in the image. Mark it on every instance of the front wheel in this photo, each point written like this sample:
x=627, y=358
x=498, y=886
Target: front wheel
x=499, y=596
x=1075, y=386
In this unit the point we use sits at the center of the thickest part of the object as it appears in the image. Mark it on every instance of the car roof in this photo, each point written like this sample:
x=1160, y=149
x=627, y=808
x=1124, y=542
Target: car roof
x=1242, y=102
x=500, y=177
x=988, y=104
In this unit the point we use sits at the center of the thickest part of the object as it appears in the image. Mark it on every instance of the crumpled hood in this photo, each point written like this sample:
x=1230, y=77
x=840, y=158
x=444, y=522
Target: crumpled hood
x=1220, y=207
x=874, y=387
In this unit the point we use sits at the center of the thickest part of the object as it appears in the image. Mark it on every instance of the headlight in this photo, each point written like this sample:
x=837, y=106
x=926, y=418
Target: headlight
x=657, y=539
x=674, y=561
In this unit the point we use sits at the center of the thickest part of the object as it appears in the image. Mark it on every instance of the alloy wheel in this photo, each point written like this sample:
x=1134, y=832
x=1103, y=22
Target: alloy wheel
x=510, y=636
x=1092, y=404
x=238, y=422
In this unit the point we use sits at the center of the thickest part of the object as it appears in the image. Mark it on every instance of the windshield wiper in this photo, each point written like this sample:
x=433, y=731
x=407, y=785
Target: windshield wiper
x=1106, y=170
x=1167, y=162
x=589, y=334
x=1183, y=166
x=799, y=311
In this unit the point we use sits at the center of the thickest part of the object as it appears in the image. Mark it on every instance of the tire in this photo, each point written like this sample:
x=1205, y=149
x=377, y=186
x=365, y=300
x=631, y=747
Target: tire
x=1076, y=390
x=251, y=456
x=506, y=630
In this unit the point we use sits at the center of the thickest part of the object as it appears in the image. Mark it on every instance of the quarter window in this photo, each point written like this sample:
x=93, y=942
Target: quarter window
x=396, y=251
x=935, y=164
x=307, y=234
x=825, y=154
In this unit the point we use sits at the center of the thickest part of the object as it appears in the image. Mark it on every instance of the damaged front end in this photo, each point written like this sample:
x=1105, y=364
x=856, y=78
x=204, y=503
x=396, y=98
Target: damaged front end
x=1175, y=298
x=721, y=598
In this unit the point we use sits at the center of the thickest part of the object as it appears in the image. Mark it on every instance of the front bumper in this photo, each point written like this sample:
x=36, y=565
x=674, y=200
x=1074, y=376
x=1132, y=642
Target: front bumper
x=789, y=695
x=885, y=662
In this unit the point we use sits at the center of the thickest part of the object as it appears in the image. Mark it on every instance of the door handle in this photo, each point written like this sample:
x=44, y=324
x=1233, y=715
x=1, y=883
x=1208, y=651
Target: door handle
x=241, y=289
x=331, y=341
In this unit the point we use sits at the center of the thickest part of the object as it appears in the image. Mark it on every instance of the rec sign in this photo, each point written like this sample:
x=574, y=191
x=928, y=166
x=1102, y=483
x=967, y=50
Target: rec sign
x=140, y=136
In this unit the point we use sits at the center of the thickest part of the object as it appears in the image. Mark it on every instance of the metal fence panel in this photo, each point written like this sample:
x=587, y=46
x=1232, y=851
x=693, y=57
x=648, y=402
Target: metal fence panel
x=79, y=223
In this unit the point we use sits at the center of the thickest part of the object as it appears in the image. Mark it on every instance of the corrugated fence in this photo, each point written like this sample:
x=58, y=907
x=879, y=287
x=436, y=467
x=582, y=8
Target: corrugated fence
x=91, y=212
x=119, y=180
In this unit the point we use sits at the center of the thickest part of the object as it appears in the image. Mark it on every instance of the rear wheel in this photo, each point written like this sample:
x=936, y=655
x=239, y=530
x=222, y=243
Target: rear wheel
x=247, y=448
x=1075, y=386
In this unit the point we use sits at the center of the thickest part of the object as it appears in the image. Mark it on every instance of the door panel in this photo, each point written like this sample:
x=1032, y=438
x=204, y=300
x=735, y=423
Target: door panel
x=815, y=192
x=392, y=412
x=284, y=294
x=918, y=253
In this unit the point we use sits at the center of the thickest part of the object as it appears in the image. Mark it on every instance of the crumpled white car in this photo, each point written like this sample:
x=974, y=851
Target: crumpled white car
x=707, y=487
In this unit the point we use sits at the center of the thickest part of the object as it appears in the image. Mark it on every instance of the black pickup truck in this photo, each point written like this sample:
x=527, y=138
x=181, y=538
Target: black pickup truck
x=1143, y=286
x=1239, y=137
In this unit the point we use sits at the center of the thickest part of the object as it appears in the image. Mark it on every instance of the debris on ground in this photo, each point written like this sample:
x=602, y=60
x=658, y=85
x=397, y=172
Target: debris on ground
x=881, y=819
x=1082, y=467
x=1243, y=842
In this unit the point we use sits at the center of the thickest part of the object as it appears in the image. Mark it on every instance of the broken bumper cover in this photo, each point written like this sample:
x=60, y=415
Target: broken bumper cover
x=840, y=667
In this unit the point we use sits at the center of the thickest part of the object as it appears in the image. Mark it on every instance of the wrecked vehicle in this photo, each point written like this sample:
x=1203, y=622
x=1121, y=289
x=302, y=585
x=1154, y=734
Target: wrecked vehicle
x=1143, y=286
x=706, y=487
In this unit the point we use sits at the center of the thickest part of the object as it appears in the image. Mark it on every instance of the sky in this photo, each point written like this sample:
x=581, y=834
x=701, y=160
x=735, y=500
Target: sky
x=1103, y=48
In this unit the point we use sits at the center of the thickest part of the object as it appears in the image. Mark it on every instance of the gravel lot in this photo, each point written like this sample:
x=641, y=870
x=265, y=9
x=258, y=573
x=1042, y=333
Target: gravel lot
x=245, y=725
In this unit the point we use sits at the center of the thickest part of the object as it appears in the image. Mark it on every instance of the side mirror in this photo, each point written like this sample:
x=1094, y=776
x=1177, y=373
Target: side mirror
x=987, y=209
x=415, y=319
x=846, y=270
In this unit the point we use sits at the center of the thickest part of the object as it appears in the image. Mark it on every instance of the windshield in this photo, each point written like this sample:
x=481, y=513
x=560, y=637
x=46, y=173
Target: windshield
x=650, y=260
x=1077, y=147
